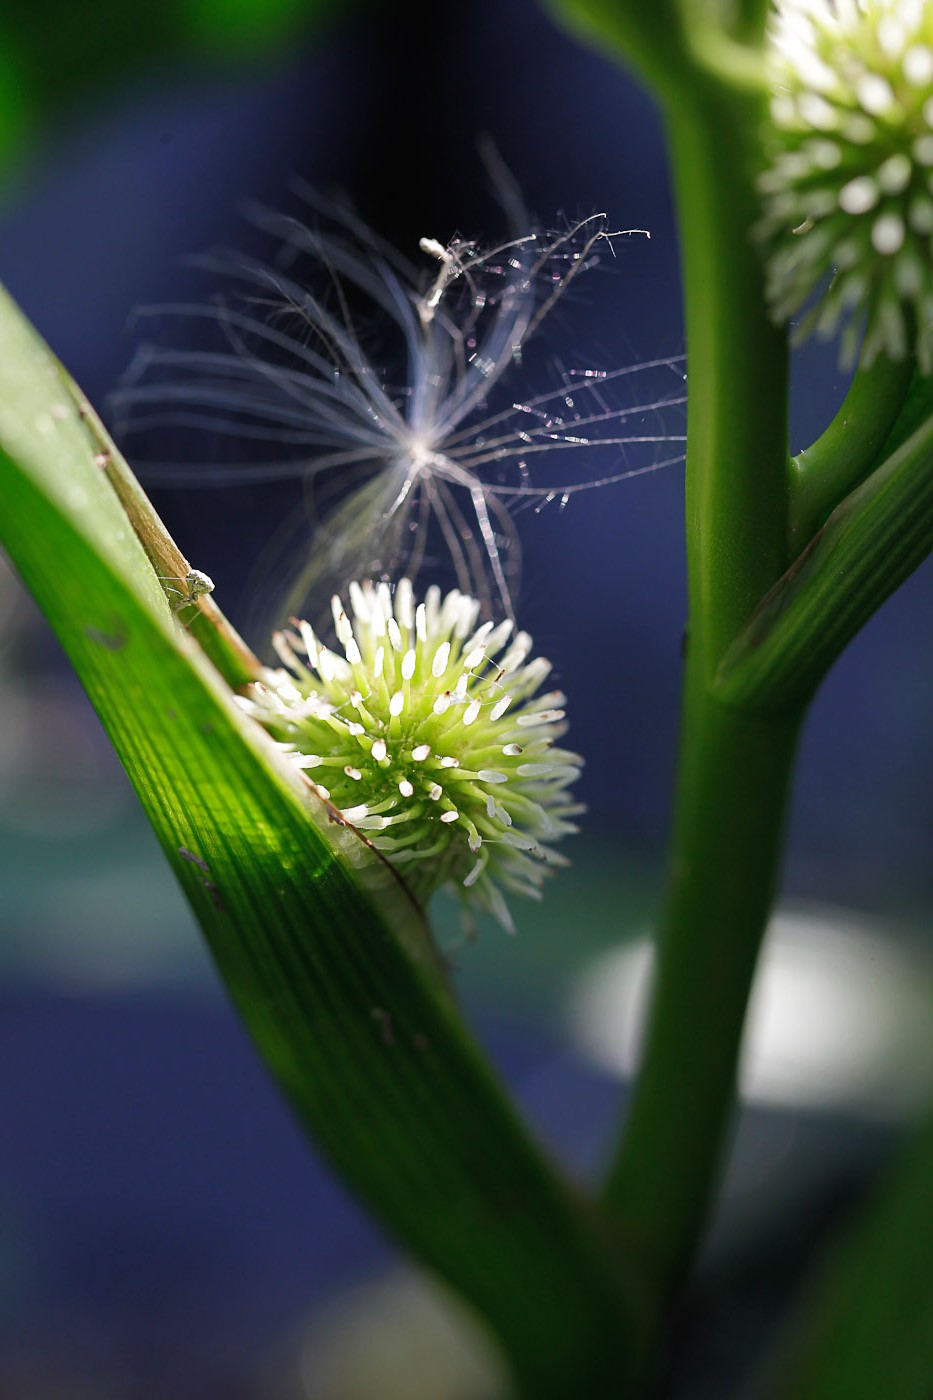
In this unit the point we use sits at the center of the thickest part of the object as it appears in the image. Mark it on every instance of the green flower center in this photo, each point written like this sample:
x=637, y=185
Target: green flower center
x=429, y=735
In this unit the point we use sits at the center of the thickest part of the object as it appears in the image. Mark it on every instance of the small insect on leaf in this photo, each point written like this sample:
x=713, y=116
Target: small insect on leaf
x=193, y=585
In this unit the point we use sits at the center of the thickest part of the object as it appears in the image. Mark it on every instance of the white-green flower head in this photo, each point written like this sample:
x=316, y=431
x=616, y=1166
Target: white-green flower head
x=850, y=186
x=430, y=736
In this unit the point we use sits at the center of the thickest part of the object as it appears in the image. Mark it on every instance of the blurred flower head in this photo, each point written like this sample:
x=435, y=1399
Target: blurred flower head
x=848, y=197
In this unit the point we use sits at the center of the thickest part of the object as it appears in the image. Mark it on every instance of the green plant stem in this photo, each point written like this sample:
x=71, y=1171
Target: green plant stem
x=871, y=543
x=737, y=380
x=734, y=772
x=733, y=785
x=823, y=474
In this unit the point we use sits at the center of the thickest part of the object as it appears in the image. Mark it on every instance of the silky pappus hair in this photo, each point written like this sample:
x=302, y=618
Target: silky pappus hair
x=383, y=387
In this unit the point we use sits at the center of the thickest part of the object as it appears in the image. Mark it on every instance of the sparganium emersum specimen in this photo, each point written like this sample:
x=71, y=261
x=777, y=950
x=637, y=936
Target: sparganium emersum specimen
x=849, y=193
x=429, y=735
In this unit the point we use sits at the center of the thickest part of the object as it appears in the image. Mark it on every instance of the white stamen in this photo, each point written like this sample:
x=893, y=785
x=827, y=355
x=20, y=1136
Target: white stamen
x=403, y=603
x=358, y=602
x=920, y=215
x=875, y=94
x=894, y=174
x=887, y=234
x=917, y=64
x=539, y=717
x=342, y=625
x=475, y=872
x=516, y=653
x=923, y=150
x=859, y=195
x=309, y=642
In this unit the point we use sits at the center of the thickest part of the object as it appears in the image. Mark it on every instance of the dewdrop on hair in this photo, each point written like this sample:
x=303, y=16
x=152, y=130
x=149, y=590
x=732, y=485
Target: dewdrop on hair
x=412, y=462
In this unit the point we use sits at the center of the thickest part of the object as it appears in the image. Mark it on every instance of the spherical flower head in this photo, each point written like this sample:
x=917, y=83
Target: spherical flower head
x=429, y=735
x=849, y=190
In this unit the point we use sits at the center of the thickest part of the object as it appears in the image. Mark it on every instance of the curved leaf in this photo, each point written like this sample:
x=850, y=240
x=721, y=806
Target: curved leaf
x=327, y=959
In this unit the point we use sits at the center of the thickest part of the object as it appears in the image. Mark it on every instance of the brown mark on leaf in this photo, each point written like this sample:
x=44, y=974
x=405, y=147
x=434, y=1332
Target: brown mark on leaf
x=195, y=860
x=214, y=893
x=208, y=884
x=102, y=460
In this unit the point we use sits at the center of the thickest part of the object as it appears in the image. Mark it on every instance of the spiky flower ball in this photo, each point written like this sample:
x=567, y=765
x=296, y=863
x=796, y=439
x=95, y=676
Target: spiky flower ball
x=429, y=735
x=850, y=187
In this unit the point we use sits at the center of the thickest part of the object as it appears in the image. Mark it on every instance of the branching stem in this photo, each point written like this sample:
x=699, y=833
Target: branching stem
x=734, y=771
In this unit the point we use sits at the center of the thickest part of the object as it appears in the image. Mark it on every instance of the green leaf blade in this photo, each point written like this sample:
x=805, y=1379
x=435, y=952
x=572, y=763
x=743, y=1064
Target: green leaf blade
x=327, y=959
x=868, y=1326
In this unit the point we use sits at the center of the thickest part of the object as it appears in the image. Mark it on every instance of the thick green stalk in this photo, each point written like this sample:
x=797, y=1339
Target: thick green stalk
x=737, y=379
x=723, y=866
x=734, y=771
x=871, y=543
x=823, y=474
